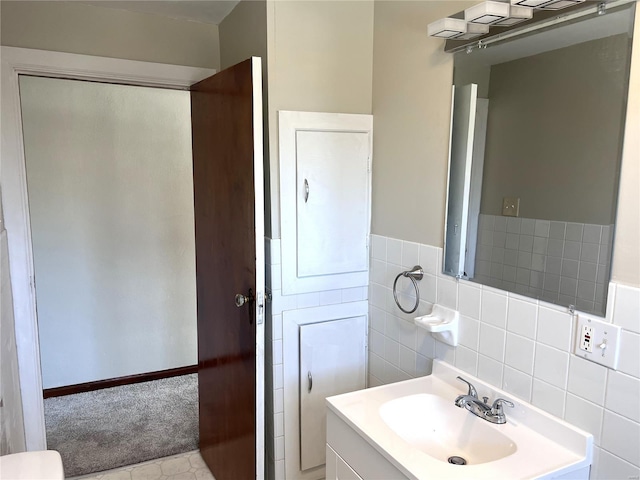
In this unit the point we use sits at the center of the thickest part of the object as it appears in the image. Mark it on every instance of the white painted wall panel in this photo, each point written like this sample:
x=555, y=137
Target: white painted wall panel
x=111, y=203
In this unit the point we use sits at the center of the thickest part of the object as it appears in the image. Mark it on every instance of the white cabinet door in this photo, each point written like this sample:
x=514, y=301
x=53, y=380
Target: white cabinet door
x=332, y=361
x=325, y=200
x=331, y=213
x=338, y=469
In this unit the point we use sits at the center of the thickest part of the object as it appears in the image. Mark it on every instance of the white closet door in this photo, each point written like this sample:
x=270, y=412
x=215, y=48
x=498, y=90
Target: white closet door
x=332, y=361
x=332, y=207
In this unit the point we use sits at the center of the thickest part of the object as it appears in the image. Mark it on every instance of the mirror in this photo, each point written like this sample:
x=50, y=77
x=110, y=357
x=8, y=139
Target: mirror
x=536, y=142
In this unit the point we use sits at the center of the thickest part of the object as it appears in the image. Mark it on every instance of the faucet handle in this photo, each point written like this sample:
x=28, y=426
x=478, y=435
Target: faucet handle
x=496, y=408
x=472, y=390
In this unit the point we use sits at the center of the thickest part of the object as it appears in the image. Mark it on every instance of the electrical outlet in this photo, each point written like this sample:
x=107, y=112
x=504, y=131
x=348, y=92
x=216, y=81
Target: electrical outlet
x=598, y=341
x=511, y=206
x=585, y=339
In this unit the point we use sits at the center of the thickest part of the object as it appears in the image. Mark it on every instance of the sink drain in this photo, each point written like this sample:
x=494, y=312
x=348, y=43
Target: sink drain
x=455, y=460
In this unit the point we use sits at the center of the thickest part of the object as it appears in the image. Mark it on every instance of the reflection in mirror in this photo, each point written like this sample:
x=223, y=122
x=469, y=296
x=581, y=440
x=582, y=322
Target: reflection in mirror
x=536, y=142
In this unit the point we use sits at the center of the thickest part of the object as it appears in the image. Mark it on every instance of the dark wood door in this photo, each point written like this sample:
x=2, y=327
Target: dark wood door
x=226, y=119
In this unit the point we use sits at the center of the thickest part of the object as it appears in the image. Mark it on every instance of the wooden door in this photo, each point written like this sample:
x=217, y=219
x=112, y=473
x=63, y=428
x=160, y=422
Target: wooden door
x=226, y=111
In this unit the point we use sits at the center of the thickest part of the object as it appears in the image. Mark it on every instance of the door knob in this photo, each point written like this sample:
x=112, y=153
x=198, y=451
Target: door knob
x=242, y=299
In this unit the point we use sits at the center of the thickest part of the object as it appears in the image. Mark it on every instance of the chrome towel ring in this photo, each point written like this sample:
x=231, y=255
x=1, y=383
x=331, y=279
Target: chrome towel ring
x=415, y=274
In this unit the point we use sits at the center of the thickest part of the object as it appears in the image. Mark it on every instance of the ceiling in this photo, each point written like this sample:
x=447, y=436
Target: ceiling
x=204, y=11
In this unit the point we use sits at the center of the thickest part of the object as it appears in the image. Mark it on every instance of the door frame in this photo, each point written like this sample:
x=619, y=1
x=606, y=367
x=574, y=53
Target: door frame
x=19, y=61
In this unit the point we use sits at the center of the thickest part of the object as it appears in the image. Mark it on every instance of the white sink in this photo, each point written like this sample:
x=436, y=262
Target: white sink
x=416, y=428
x=440, y=429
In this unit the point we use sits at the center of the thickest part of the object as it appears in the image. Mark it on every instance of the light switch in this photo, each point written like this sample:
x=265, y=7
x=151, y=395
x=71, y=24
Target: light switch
x=598, y=341
x=510, y=206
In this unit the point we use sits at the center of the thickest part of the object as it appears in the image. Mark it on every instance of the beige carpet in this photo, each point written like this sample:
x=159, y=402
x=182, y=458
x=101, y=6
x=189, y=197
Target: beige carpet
x=109, y=428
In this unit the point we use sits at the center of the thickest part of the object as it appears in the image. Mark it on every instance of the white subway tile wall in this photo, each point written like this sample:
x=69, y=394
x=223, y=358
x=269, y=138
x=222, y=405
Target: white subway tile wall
x=274, y=347
x=514, y=342
x=556, y=261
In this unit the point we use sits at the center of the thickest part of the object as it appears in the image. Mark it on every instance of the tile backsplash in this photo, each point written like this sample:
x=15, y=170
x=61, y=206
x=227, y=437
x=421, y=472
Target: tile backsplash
x=516, y=343
x=556, y=261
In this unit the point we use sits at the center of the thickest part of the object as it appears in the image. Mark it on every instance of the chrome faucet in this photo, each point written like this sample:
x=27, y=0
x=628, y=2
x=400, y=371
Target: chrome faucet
x=480, y=408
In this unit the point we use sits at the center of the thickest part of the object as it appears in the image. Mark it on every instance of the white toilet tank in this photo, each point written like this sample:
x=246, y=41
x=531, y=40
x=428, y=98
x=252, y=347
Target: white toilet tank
x=44, y=465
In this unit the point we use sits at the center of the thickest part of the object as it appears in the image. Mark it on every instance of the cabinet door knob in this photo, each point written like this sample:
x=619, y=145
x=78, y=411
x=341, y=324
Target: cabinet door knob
x=310, y=378
x=306, y=190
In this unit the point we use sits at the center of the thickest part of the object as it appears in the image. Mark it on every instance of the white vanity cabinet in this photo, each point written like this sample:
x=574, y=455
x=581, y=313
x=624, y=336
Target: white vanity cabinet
x=349, y=456
x=338, y=469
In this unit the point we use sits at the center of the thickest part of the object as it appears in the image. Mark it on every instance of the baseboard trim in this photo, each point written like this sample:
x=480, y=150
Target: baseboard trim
x=115, y=382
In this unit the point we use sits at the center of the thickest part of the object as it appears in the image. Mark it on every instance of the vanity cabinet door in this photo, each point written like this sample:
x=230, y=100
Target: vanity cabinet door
x=338, y=469
x=332, y=361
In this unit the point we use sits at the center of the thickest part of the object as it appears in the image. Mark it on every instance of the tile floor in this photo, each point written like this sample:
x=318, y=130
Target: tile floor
x=184, y=466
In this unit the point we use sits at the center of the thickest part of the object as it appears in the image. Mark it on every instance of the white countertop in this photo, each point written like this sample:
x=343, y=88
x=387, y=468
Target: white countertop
x=546, y=446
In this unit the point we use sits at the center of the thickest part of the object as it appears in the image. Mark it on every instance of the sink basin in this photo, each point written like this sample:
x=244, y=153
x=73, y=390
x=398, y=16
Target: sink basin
x=414, y=429
x=438, y=428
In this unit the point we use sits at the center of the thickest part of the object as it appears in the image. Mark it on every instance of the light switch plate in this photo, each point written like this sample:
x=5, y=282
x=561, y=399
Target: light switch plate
x=597, y=341
x=510, y=206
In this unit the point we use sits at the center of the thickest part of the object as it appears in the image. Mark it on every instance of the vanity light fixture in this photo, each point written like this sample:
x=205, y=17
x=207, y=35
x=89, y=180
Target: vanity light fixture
x=503, y=13
x=530, y=3
x=447, y=28
x=517, y=14
x=560, y=4
x=474, y=30
x=487, y=13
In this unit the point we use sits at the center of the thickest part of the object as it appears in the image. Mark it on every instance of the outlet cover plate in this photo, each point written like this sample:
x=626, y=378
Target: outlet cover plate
x=597, y=341
x=510, y=206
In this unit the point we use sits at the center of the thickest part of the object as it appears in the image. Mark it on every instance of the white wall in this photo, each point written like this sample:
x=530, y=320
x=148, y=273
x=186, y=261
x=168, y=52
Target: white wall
x=12, y=439
x=412, y=77
x=243, y=34
x=74, y=27
x=111, y=204
x=626, y=247
x=320, y=59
